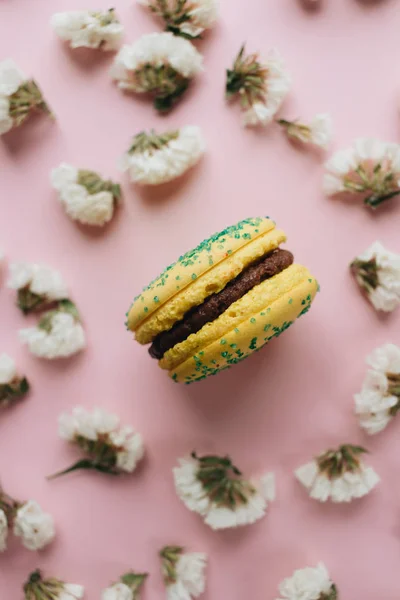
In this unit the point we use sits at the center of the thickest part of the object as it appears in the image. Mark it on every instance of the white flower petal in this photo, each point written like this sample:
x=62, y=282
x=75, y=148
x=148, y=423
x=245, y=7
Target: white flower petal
x=118, y=591
x=307, y=474
x=3, y=530
x=33, y=526
x=8, y=369
x=63, y=175
x=11, y=77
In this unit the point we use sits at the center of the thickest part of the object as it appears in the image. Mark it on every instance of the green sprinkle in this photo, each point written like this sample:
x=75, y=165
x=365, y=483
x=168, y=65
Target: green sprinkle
x=223, y=341
x=252, y=320
x=253, y=344
x=290, y=300
x=156, y=299
x=194, y=276
x=146, y=309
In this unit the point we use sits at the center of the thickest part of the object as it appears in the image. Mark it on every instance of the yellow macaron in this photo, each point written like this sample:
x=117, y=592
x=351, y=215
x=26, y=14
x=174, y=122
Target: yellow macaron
x=223, y=300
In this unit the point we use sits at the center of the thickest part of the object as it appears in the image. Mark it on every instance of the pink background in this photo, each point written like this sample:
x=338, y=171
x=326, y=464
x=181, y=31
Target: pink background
x=273, y=411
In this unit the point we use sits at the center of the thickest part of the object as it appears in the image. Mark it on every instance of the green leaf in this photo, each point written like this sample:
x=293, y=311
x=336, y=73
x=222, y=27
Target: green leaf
x=81, y=464
x=134, y=581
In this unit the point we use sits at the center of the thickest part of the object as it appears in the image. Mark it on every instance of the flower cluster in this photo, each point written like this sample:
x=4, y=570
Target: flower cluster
x=377, y=271
x=37, y=286
x=311, y=583
x=379, y=400
x=157, y=158
x=370, y=168
x=39, y=588
x=183, y=572
x=317, y=133
x=12, y=385
x=187, y=18
x=261, y=85
x=88, y=29
x=19, y=97
x=160, y=64
x=127, y=588
x=86, y=197
x=215, y=489
x=59, y=332
x=109, y=447
x=27, y=521
x=338, y=474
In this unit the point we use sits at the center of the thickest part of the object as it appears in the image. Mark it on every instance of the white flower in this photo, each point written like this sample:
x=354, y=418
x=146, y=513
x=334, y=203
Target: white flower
x=370, y=168
x=159, y=63
x=18, y=97
x=88, y=29
x=37, y=285
x=86, y=197
x=40, y=588
x=71, y=591
x=190, y=17
x=130, y=448
x=124, y=446
x=60, y=337
x=252, y=498
x=154, y=159
x=87, y=424
x=8, y=369
x=184, y=572
x=127, y=588
x=3, y=530
x=377, y=271
x=11, y=77
x=33, y=526
x=118, y=591
x=318, y=132
x=262, y=86
x=338, y=475
x=311, y=583
x=379, y=400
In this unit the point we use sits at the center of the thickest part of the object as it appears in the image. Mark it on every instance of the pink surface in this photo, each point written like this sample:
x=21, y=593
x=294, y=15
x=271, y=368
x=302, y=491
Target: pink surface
x=273, y=411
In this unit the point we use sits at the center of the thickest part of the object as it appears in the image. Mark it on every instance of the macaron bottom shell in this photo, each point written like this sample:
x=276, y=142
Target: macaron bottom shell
x=251, y=335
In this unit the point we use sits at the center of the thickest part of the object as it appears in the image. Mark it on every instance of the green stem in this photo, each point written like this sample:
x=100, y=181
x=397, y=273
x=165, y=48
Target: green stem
x=375, y=199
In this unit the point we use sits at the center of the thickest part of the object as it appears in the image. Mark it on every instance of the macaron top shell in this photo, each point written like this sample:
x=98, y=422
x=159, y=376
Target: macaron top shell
x=193, y=264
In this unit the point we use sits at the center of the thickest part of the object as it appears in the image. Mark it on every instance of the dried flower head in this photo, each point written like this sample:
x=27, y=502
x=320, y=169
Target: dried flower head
x=370, y=168
x=109, y=447
x=160, y=64
x=183, y=572
x=379, y=400
x=157, y=158
x=317, y=133
x=38, y=587
x=377, y=272
x=37, y=286
x=86, y=197
x=339, y=475
x=19, y=97
x=127, y=588
x=187, y=18
x=59, y=333
x=12, y=385
x=27, y=521
x=311, y=583
x=260, y=85
x=88, y=28
x=214, y=488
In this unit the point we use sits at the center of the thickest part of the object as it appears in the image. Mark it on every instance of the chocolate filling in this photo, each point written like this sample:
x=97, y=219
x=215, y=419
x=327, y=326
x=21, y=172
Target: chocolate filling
x=216, y=304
